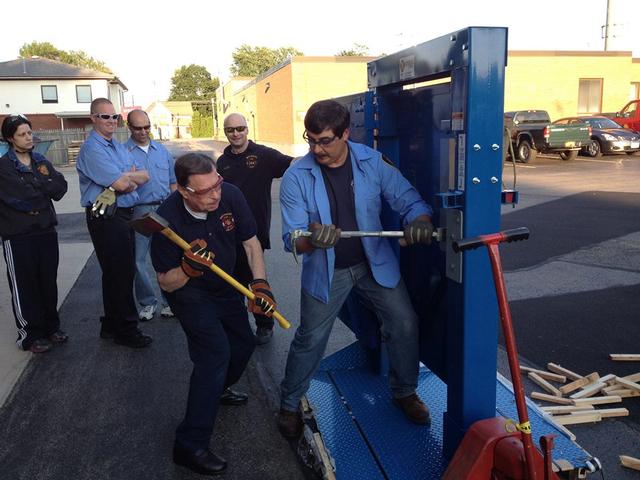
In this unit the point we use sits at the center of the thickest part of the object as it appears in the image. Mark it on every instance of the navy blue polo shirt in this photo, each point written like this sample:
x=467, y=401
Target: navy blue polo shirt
x=231, y=223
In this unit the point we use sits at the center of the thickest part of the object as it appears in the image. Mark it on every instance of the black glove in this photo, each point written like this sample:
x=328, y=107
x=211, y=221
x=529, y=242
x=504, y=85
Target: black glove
x=105, y=204
x=418, y=231
x=197, y=259
x=324, y=236
x=264, y=303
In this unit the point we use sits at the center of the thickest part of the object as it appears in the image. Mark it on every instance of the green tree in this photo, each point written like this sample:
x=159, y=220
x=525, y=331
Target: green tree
x=358, y=50
x=251, y=61
x=78, y=58
x=193, y=82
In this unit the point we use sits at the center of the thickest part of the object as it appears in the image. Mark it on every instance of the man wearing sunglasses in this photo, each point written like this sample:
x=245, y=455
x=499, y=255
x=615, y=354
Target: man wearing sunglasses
x=158, y=162
x=213, y=217
x=109, y=179
x=252, y=167
x=339, y=185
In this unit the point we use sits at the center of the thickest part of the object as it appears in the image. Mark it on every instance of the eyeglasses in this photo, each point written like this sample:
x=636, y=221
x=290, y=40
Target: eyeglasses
x=143, y=127
x=235, y=129
x=323, y=142
x=207, y=191
x=106, y=116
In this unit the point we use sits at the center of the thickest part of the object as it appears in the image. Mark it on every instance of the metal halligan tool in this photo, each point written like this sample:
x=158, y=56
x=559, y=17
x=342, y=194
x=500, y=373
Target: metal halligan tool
x=438, y=235
x=151, y=223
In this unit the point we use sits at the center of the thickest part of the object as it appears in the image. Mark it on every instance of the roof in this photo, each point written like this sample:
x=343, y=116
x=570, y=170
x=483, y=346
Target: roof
x=176, y=108
x=43, y=68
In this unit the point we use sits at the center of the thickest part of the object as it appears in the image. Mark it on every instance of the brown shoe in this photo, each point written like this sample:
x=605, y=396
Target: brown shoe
x=413, y=408
x=289, y=423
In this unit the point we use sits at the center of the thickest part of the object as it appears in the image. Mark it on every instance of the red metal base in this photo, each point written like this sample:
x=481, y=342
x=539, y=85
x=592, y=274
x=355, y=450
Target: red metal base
x=489, y=452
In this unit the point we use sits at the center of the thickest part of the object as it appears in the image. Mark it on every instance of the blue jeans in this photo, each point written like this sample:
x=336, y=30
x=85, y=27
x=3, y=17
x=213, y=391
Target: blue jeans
x=398, y=324
x=143, y=287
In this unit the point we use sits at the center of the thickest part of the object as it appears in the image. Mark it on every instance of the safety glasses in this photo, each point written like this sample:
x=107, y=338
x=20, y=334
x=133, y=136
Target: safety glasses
x=323, y=142
x=106, y=116
x=235, y=129
x=207, y=191
x=142, y=127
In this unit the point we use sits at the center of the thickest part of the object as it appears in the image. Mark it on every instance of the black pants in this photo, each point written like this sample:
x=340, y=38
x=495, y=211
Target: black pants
x=113, y=242
x=32, y=269
x=242, y=273
x=220, y=344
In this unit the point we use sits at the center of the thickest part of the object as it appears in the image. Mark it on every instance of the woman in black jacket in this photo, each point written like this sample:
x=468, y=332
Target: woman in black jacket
x=28, y=184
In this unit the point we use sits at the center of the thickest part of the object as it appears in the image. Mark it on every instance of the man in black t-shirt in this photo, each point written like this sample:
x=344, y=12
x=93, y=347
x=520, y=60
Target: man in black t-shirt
x=213, y=217
x=252, y=168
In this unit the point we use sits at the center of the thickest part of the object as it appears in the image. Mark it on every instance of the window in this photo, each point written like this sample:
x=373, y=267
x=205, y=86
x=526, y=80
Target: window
x=49, y=93
x=83, y=93
x=590, y=95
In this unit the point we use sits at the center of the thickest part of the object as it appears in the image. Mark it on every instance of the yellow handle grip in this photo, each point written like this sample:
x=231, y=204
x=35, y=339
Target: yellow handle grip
x=178, y=240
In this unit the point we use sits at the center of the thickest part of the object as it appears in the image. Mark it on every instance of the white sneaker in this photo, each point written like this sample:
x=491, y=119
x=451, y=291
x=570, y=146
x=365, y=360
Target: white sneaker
x=166, y=312
x=147, y=312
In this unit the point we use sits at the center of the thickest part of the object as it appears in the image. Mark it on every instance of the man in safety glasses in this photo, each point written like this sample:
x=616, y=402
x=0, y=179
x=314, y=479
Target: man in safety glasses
x=252, y=167
x=109, y=179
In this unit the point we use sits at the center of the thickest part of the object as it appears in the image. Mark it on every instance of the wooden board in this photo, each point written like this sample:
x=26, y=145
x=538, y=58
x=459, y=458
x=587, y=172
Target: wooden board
x=581, y=382
x=537, y=379
x=624, y=393
x=589, y=391
x=627, y=384
x=613, y=412
x=554, y=377
x=625, y=357
x=577, y=417
x=557, y=410
x=597, y=400
x=630, y=462
x=553, y=367
x=551, y=398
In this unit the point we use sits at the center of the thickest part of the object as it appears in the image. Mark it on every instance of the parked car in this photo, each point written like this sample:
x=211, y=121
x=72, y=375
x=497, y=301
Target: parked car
x=628, y=117
x=606, y=136
x=532, y=132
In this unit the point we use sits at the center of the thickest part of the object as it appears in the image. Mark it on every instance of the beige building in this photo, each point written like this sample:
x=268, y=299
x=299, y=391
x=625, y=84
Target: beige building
x=275, y=102
x=565, y=83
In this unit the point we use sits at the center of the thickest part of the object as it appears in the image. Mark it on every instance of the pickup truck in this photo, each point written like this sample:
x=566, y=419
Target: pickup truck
x=531, y=132
x=628, y=117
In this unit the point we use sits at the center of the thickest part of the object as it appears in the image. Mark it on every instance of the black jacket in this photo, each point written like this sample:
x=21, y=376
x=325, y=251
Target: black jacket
x=26, y=195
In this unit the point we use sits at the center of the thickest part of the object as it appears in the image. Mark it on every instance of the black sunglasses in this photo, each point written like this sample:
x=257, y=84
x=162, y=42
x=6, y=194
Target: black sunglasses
x=143, y=127
x=106, y=116
x=323, y=142
x=234, y=129
x=14, y=117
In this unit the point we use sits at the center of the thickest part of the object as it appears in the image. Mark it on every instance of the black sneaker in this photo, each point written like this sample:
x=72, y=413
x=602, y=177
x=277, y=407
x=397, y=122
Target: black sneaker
x=263, y=335
x=40, y=345
x=138, y=340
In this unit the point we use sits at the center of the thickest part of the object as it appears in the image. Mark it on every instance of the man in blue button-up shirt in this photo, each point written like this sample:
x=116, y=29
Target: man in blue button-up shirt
x=158, y=162
x=339, y=185
x=104, y=165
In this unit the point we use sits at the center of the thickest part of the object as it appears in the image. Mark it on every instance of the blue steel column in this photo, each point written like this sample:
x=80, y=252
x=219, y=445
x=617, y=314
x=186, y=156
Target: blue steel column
x=478, y=97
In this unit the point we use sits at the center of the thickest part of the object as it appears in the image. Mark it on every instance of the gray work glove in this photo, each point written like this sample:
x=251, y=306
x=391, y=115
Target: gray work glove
x=324, y=236
x=418, y=231
x=105, y=204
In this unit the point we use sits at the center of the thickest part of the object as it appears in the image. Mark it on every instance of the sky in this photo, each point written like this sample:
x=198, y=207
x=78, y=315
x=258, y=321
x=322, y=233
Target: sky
x=145, y=42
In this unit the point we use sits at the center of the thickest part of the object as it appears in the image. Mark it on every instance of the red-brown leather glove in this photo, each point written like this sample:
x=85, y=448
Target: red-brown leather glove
x=197, y=259
x=264, y=303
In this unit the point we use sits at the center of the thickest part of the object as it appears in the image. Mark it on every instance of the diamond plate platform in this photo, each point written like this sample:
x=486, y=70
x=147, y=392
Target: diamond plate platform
x=369, y=438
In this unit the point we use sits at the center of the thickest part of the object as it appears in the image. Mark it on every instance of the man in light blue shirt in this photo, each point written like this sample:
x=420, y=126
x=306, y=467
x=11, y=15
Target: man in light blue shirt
x=108, y=173
x=162, y=181
x=339, y=185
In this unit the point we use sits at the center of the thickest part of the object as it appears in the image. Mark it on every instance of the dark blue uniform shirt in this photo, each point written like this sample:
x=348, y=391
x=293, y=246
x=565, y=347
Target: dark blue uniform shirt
x=232, y=222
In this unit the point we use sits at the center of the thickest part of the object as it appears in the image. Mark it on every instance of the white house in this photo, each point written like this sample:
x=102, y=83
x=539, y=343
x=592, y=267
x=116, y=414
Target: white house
x=170, y=120
x=54, y=95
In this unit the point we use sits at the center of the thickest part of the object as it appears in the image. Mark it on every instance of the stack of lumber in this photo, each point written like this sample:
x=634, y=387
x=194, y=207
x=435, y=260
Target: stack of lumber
x=73, y=150
x=581, y=398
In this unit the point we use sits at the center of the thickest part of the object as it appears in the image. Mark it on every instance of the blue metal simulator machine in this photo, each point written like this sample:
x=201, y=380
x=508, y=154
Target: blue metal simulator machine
x=436, y=111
